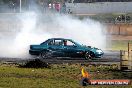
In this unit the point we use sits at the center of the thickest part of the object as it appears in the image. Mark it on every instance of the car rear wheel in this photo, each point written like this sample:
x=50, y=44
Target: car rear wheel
x=45, y=55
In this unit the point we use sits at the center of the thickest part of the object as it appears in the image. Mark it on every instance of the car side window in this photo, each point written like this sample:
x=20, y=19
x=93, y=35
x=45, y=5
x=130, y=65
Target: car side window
x=58, y=42
x=51, y=43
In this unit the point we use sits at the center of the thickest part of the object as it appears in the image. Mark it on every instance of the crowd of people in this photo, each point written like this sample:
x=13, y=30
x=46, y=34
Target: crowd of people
x=123, y=18
x=14, y=5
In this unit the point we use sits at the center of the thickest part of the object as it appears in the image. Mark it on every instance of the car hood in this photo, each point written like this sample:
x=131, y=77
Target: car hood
x=91, y=48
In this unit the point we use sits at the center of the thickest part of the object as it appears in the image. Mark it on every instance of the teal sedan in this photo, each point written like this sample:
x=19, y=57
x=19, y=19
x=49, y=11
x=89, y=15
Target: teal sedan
x=60, y=47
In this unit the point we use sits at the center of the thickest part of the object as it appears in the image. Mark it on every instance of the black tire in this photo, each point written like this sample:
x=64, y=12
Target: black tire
x=45, y=55
x=89, y=55
x=92, y=55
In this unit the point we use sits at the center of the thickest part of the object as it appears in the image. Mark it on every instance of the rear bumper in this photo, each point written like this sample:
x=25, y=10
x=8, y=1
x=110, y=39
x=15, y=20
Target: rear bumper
x=34, y=52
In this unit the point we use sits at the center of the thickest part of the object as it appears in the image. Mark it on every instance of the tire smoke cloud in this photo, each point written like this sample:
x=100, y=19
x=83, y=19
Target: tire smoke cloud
x=35, y=28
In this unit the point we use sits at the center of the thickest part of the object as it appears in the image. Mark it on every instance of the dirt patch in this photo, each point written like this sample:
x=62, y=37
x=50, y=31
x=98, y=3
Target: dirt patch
x=36, y=63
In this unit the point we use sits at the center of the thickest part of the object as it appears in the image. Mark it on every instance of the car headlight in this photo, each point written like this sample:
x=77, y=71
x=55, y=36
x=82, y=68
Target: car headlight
x=99, y=51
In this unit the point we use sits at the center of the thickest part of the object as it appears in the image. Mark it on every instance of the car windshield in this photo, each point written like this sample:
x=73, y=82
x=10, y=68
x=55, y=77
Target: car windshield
x=75, y=42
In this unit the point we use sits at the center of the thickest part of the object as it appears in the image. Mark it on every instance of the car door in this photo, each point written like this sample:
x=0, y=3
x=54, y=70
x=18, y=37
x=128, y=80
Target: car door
x=56, y=45
x=71, y=49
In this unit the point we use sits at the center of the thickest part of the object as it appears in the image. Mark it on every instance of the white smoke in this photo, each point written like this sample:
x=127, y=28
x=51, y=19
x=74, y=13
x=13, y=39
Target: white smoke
x=37, y=28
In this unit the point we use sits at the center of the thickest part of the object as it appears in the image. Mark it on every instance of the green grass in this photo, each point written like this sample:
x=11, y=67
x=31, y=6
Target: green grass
x=58, y=76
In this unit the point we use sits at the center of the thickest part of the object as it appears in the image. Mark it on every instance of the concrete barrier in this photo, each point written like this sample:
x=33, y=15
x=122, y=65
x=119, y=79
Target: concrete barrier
x=119, y=29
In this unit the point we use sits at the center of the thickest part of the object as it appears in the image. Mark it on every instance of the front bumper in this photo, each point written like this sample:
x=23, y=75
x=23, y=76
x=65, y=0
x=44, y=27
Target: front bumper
x=99, y=55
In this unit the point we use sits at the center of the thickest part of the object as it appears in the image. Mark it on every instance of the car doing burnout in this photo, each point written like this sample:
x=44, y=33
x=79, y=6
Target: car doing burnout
x=60, y=47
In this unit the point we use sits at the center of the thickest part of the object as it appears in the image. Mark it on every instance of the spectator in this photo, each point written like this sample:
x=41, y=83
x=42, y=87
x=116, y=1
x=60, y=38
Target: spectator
x=63, y=8
x=69, y=11
x=57, y=6
x=12, y=6
x=123, y=17
x=128, y=18
x=119, y=18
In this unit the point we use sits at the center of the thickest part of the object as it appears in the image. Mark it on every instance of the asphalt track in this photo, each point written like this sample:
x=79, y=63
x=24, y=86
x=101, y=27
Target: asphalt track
x=109, y=57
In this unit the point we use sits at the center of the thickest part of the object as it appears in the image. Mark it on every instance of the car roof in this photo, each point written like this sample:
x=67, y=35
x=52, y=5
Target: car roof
x=60, y=38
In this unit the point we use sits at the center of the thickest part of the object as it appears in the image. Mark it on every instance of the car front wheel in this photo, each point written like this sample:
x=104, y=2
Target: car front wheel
x=88, y=55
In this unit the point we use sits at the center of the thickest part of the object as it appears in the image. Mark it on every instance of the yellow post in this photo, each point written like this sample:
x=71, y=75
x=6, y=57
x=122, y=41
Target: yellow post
x=128, y=48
